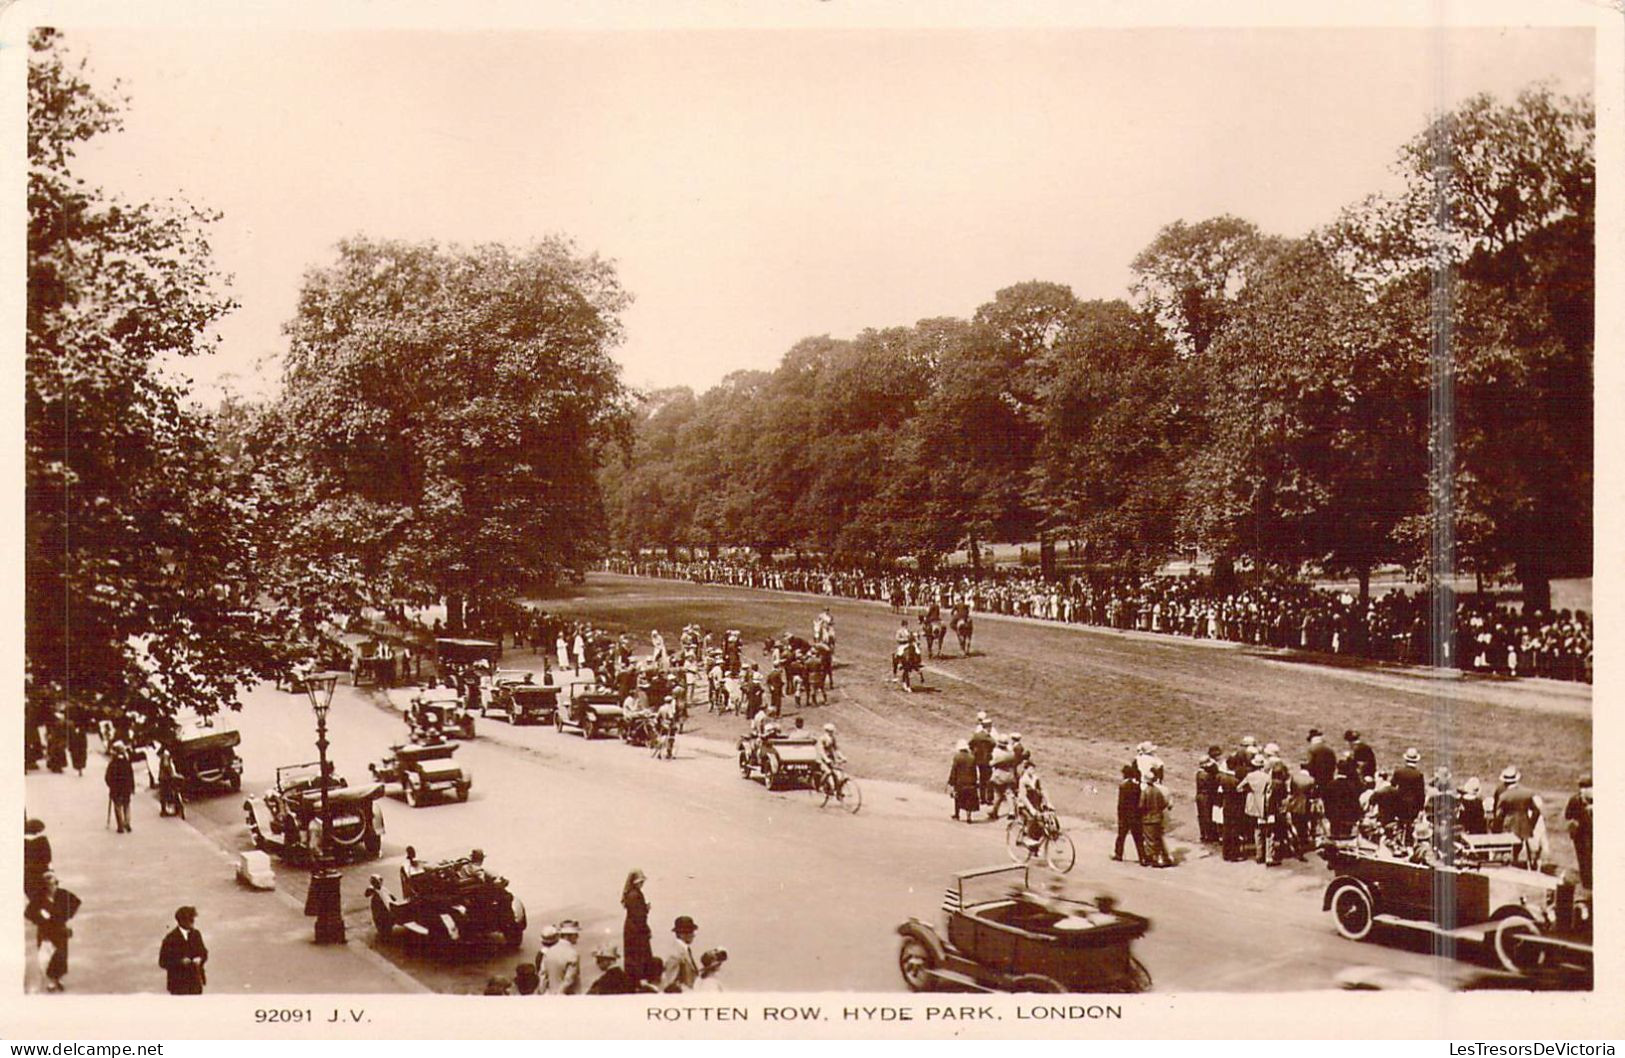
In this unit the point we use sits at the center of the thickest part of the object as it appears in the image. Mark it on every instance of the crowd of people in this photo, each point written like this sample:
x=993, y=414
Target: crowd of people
x=1260, y=802
x=624, y=969
x=1396, y=626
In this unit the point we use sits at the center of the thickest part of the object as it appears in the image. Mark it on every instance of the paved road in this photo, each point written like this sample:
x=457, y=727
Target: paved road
x=803, y=898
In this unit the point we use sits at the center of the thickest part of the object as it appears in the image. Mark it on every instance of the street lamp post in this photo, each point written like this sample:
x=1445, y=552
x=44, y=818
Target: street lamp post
x=322, y=900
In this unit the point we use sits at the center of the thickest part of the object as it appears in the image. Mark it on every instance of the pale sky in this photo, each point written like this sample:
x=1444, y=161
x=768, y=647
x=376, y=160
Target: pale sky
x=756, y=187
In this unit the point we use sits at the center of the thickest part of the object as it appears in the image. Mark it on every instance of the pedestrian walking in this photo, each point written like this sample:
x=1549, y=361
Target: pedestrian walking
x=981, y=750
x=78, y=741
x=1003, y=777
x=1128, y=814
x=51, y=909
x=182, y=955
x=120, y=779
x=1518, y=812
x=635, y=935
x=962, y=781
x=1154, y=806
x=36, y=857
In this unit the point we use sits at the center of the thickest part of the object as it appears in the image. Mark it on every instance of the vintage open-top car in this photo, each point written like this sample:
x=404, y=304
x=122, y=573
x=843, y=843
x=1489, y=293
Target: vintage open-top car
x=1006, y=935
x=1532, y=920
x=424, y=772
x=590, y=709
x=205, y=758
x=779, y=760
x=460, y=653
x=517, y=698
x=446, y=902
x=439, y=709
x=286, y=819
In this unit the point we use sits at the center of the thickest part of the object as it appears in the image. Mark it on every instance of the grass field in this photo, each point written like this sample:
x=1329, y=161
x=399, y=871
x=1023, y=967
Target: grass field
x=1083, y=698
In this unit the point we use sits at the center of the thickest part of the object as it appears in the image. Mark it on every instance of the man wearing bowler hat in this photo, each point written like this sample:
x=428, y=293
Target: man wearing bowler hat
x=682, y=968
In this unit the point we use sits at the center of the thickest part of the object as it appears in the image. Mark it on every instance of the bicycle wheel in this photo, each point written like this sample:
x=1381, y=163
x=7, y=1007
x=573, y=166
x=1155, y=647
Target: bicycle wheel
x=1015, y=841
x=1060, y=853
x=849, y=795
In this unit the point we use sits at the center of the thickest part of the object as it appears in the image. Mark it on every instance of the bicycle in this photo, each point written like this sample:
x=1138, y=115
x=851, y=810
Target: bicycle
x=837, y=786
x=1053, y=844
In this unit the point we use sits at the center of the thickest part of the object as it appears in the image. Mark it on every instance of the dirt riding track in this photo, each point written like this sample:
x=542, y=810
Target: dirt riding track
x=1082, y=697
x=806, y=898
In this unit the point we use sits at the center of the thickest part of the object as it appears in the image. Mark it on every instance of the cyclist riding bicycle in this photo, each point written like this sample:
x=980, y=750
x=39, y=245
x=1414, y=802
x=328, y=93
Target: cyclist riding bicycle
x=829, y=755
x=1031, y=805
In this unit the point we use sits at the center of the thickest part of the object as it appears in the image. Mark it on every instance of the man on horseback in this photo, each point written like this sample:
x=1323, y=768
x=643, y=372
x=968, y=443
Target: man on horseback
x=906, y=658
x=932, y=629
x=962, y=625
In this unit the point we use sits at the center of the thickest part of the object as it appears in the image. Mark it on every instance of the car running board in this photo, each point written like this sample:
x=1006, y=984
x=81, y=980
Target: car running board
x=953, y=981
x=1476, y=934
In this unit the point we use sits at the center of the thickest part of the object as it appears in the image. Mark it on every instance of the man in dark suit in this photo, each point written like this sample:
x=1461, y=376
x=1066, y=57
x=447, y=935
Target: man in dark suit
x=1322, y=761
x=1412, y=786
x=183, y=954
x=1207, y=788
x=1128, y=813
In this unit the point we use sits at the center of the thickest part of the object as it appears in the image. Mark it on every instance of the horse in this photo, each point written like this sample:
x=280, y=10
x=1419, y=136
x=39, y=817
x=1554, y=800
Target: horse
x=906, y=662
x=962, y=629
x=935, y=634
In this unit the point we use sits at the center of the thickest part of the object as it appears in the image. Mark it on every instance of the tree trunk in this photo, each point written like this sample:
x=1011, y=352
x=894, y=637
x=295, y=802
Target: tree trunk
x=1224, y=573
x=454, y=613
x=1537, y=586
x=671, y=552
x=975, y=559
x=1046, y=555
x=1365, y=586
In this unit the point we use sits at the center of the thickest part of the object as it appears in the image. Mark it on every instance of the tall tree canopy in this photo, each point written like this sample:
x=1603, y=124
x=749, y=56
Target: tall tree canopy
x=448, y=408
x=142, y=584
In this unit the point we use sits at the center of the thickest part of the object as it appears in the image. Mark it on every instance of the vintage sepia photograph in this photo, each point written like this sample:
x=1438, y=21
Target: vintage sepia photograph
x=1045, y=514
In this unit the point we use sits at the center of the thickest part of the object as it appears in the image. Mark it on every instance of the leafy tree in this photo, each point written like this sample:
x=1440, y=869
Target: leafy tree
x=141, y=582
x=1497, y=217
x=1190, y=276
x=448, y=408
x=1107, y=472
x=1317, y=421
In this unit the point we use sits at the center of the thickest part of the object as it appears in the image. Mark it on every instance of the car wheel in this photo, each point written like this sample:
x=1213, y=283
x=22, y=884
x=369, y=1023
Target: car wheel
x=915, y=960
x=514, y=935
x=1035, y=983
x=462, y=792
x=558, y=722
x=589, y=730
x=236, y=783
x=413, y=796
x=1353, y=913
x=770, y=772
x=1514, y=957
x=382, y=923
x=1139, y=978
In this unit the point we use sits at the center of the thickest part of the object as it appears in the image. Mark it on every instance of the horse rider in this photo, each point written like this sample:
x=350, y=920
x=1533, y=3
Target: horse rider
x=905, y=639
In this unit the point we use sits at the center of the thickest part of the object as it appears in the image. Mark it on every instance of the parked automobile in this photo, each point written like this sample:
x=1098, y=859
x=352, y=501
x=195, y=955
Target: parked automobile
x=205, y=757
x=461, y=653
x=1531, y=919
x=424, y=772
x=448, y=902
x=517, y=698
x=590, y=709
x=286, y=819
x=779, y=760
x=1003, y=934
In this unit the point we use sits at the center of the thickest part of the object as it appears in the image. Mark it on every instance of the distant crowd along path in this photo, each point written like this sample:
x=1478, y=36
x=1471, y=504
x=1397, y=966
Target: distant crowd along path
x=1291, y=615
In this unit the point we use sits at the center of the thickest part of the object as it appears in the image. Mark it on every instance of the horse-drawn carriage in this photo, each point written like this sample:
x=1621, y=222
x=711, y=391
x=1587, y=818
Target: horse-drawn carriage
x=1004, y=935
x=286, y=819
x=423, y=772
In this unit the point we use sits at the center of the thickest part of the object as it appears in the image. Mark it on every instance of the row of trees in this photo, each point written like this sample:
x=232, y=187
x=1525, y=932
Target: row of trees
x=437, y=437
x=1411, y=383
